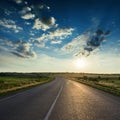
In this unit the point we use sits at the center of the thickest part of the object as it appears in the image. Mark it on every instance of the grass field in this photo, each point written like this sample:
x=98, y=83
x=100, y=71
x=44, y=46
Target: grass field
x=13, y=82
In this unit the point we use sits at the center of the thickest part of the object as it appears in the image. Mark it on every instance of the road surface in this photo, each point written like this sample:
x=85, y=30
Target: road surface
x=60, y=100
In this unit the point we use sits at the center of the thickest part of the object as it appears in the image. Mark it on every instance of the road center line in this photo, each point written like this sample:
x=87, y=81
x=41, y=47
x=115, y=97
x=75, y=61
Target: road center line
x=53, y=104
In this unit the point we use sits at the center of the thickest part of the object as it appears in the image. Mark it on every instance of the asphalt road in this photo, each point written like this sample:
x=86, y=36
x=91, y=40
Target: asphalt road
x=60, y=100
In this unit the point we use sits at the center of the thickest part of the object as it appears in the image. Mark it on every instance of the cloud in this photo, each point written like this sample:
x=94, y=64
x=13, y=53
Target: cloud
x=118, y=43
x=6, y=43
x=77, y=44
x=24, y=49
x=25, y=10
x=19, y=48
x=43, y=37
x=29, y=54
x=40, y=44
x=40, y=7
x=18, y=1
x=43, y=7
x=7, y=12
x=86, y=43
x=27, y=23
x=28, y=16
x=44, y=23
x=56, y=42
x=55, y=37
x=58, y=34
x=10, y=24
x=61, y=33
x=95, y=21
x=95, y=40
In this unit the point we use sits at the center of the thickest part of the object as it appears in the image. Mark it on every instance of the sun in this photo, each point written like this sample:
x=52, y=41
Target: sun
x=79, y=63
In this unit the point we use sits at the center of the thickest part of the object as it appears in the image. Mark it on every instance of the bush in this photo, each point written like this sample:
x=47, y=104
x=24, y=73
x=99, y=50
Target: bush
x=85, y=77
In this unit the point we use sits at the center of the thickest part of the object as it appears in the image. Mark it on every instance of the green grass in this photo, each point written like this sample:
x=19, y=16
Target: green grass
x=10, y=84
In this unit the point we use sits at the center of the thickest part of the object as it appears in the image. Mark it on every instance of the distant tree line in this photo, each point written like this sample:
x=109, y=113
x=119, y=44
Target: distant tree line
x=97, y=78
x=24, y=75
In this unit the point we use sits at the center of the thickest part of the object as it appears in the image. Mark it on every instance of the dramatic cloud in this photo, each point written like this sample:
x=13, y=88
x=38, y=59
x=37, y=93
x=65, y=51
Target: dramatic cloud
x=10, y=24
x=28, y=16
x=95, y=40
x=84, y=44
x=20, y=49
x=24, y=50
x=44, y=23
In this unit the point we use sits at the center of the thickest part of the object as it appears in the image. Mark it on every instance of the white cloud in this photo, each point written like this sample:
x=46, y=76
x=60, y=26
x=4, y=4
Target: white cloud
x=43, y=37
x=10, y=24
x=77, y=44
x=56, y=35
x=25, y=10
x=27, y=23
x=61, y=33
x=86, y=43
x=56, y=42
x=44, y=23
x=28, y=16
x=18, y=1
x=40, y=45
x=6, y=43
x=41, y=7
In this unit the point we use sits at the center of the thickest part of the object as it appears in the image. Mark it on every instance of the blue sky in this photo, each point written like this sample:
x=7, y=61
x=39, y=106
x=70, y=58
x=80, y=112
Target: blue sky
x=50, y=35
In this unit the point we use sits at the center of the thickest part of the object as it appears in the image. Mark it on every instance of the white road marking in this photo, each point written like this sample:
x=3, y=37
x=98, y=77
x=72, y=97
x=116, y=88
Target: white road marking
x=17, y=94
x=3, y=99
x=53, y=104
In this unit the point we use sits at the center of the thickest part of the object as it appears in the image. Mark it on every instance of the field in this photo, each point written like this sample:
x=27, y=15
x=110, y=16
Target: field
x=12, y=82
x=107, y=82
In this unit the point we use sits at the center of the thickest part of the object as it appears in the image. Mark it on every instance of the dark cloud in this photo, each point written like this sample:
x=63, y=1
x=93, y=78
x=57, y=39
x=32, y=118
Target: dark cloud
x=99, y=32
x=17, y=54
x=19, y=48
x=95, y=41
x=24, y=50
x=49, y=21
x=24, y=54
x=86, y=43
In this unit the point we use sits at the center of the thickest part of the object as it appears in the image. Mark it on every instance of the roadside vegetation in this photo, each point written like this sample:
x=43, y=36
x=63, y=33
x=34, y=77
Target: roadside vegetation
x=107, y=83
x=12, y=82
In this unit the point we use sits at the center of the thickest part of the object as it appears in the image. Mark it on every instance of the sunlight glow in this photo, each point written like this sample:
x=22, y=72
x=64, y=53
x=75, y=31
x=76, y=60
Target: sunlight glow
x=79, y=63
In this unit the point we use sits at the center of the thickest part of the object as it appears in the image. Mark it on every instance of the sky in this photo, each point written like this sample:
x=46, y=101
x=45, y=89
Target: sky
x=54, y=35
